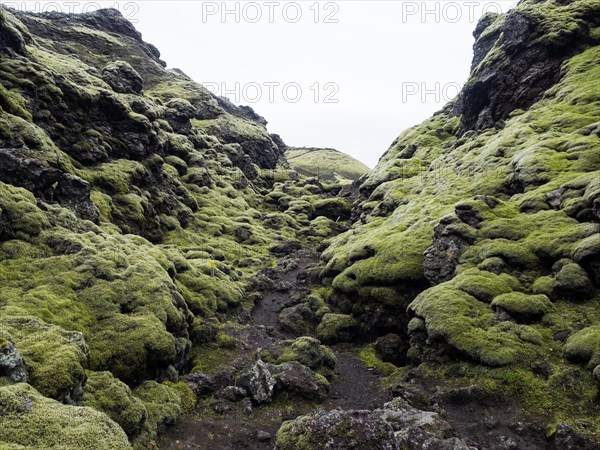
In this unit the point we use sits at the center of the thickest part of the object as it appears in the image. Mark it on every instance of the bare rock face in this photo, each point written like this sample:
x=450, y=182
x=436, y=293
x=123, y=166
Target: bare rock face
x=568, y=439
x=440, y=260
x=19, y=168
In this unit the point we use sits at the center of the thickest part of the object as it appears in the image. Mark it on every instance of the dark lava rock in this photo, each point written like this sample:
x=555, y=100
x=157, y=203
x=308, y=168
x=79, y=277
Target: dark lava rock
x=11, y=363
x=337, y=430
x=122, y=78
x=566, y=438
x=299, y=318
x=263, y=436
x=285, y=248
x=530, y=64
x=259, y=382
x=22, y=168
x=202, y=384
x=440, y=260
x=295, y=378
x=392, y=348
x=232, y=393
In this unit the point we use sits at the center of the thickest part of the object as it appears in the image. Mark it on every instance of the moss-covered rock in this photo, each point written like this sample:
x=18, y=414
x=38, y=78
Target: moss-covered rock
x=336, y=429
x=111, y=396
x=163, y=404
x=523, y=306
x=584, y=346
x=30, y=420
x=337, y=328
x=55, y=359
x=308, y=351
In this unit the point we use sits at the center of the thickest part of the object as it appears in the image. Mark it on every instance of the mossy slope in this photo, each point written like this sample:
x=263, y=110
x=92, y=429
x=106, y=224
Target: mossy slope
x=480, y=243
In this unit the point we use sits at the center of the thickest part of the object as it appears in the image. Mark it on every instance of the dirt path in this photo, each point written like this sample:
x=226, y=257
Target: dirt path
x=247, y=427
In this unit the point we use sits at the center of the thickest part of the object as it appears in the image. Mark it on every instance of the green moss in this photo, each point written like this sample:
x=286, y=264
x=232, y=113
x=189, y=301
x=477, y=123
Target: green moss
x=19, y=214
x=187, y=396
x=30, y=420
x=109, y=395
x=309, y=352
x=523, y=305
x=129, y=346
x=55, y=358
x=163, y=403
x=463, y=322
x=485, y=285
x=325, y=164
x=584, y=346
x=14, y=103
x=336, y=328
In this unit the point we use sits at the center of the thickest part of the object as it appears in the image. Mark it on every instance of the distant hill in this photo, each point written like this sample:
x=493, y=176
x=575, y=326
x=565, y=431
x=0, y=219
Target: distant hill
x=325, y=163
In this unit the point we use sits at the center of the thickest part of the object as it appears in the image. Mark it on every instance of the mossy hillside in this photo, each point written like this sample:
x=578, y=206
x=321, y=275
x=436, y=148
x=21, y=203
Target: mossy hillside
x=180, y=180
x=325, y=164
x=403, y=204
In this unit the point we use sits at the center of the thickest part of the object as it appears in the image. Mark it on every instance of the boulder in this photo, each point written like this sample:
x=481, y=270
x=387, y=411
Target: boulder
x=295, y=378
x=337, y=430
x=337, y=328
x=299, y=319
x=259, y=382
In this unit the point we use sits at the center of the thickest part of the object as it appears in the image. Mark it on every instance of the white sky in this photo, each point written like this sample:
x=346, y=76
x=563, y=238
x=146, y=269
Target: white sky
x=388, y=64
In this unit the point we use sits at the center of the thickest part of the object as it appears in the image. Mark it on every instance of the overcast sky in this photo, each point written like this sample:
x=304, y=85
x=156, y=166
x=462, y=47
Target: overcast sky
x=346, y=74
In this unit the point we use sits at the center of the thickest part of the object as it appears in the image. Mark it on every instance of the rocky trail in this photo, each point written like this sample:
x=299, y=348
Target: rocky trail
x=233, y=421
x=219, y=424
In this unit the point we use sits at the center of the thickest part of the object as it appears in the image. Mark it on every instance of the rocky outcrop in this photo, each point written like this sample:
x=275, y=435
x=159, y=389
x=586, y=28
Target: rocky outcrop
x=524, y=50
x=337, y=430
x=397, y=425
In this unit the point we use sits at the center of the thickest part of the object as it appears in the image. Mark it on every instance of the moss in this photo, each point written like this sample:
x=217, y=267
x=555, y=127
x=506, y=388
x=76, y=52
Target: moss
x=14, y=103
x=55, y=358
x=334, y=209
x=325, y=164
x=573, y=281
x=163, y=403
x=109, y=395
x=369, y=357
x=309, y=352
x=187, y=396
x=584, y=346
x=523, y=305
x=19, y=214
x=463, y=322
x=130, y=346
x=32, y=421
x=224, y=340
x=485, y=285
x=336, y=328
